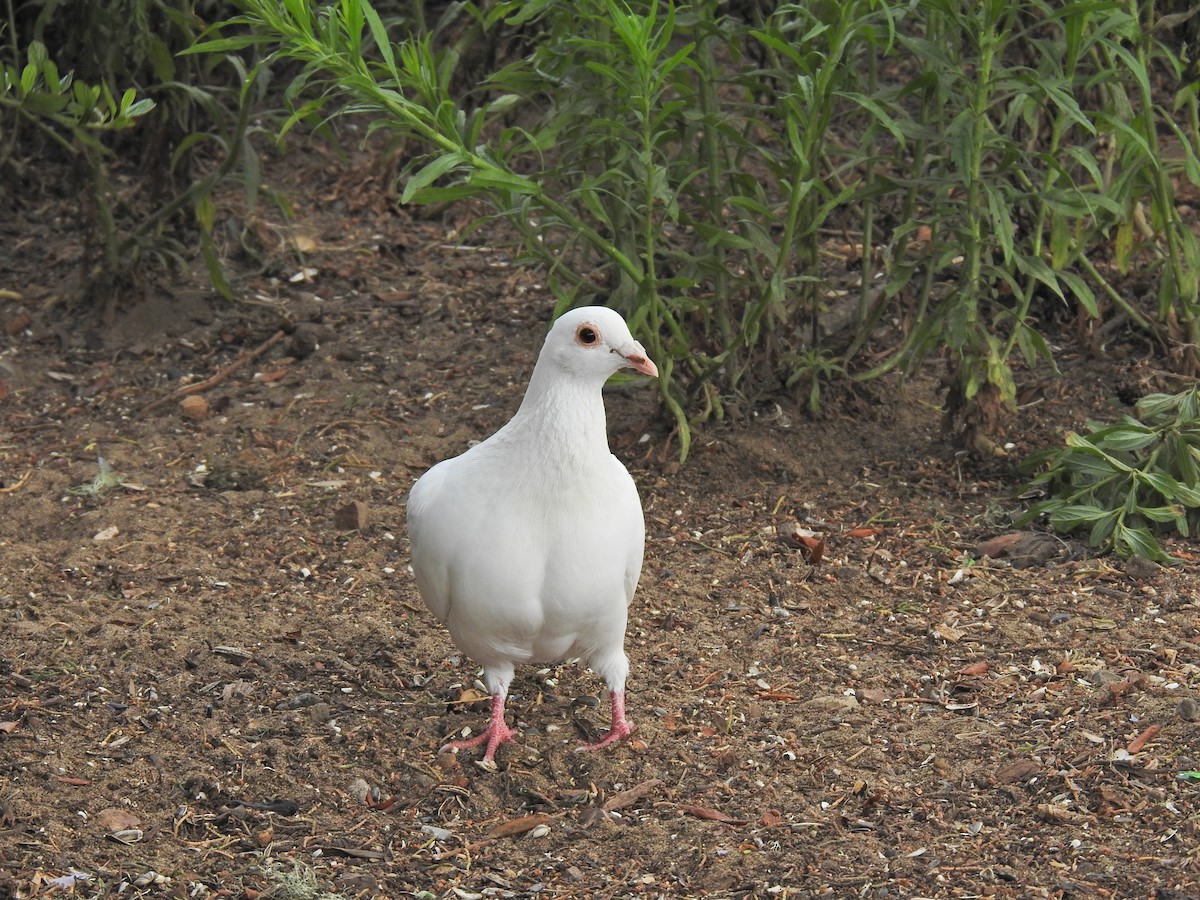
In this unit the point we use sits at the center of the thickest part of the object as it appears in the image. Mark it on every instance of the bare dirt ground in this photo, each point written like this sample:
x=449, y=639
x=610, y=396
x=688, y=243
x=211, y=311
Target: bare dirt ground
x=217, y=678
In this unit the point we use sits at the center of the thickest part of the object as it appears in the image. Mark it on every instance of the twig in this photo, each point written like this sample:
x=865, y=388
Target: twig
x=199, y=386
x=12, y=488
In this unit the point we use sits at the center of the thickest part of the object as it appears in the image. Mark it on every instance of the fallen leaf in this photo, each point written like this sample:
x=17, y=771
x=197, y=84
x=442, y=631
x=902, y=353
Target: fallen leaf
x=998, y=546
x=519, y=826
x=816, y=550
x=712, y=815
x=116, y=819
x=863, y=531
x=771, y=818
x=949, y=633
x=470, y=695
x=979, y=668
x=1139, y=742
x=9, y=727
x=1024, y=550
x=304, y=244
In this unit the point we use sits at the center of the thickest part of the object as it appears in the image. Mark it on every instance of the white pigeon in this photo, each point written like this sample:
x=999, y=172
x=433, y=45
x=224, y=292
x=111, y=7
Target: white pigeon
x=528, y=547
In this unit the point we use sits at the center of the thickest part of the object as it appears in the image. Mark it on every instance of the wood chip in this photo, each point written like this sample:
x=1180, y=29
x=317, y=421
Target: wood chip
x=1139, y=742
x=712, y=815
x=1049, y=812
x=631, y=796
x=354, y=516
x=1018, y=770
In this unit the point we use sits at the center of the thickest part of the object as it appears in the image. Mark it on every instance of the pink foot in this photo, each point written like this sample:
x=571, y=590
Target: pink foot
x=494, y=735
x=621, y=726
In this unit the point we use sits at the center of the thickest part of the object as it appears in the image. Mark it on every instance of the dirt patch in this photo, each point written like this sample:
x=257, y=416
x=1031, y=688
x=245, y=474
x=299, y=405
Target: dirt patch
x=208, y=680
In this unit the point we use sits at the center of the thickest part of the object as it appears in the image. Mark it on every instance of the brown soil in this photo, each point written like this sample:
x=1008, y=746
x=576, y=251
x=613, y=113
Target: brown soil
x=213, y=684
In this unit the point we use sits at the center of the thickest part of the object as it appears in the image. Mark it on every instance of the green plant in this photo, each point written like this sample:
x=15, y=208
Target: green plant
x=179, y=107
x=1126, y=481
x=813, y=367
x=99, y=487
x=687, y=162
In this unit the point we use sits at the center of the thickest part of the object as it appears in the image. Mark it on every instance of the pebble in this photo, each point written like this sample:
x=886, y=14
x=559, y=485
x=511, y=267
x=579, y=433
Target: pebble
x=1188, y=710
x=194, y=407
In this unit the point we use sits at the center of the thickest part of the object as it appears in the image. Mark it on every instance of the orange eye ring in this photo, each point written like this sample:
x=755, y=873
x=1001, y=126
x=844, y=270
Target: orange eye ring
x=587, y=335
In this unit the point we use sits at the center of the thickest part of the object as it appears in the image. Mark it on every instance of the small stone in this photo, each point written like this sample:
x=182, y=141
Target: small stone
x=354, y=516
x=1188, y=710
x=1141, y=569
x=106, y=534
x=308, y=338
x=194, y=407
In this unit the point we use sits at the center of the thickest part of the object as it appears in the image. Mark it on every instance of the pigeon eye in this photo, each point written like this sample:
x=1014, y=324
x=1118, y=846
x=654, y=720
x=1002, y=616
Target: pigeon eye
x=587, y=336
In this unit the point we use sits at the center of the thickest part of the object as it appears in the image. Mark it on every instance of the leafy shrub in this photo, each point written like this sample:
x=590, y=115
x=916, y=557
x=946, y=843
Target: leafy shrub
x=1125, y=482
x=685, y=162
x=62, y=62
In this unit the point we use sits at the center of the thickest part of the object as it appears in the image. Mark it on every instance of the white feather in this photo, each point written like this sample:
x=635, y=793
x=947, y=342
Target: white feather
x=528, y=546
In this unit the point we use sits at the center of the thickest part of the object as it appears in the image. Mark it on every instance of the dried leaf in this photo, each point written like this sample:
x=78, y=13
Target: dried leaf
x=519, y=826
x=816, y=549
x=949, y=633
x=116, y=819
x=304, y=244
x=999, y=545
x=863, y=531
x=712, y=815
x=979, y=668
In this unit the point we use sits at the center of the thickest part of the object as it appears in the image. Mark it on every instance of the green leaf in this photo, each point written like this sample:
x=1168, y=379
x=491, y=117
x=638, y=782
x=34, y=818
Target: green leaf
x=1068, y=518
x=1128, y=437
x=430, y=173
x=1002, y=224
x=1163, y=514
x=1081, y=443
x=1139, y=542
x=140, y=108
x=1080, y=290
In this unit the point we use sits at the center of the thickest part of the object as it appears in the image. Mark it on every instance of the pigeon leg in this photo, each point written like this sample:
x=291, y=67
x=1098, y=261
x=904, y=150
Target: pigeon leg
x=621, y=726
x=496, y=734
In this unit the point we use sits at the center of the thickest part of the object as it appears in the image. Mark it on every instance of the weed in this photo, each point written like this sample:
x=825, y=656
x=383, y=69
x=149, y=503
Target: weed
x=1127, y=481
x=100, y=486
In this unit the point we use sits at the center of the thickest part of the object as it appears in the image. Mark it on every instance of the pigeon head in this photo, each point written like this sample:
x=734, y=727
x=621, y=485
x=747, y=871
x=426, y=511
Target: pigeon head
x=594, y=341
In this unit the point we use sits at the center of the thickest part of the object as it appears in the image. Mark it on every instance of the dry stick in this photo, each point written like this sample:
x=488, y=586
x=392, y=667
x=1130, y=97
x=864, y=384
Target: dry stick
x=199, y=386
x=12, y=488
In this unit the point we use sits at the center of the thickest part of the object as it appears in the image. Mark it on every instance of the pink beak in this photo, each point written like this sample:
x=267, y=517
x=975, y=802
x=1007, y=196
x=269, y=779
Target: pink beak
x=641, y=363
